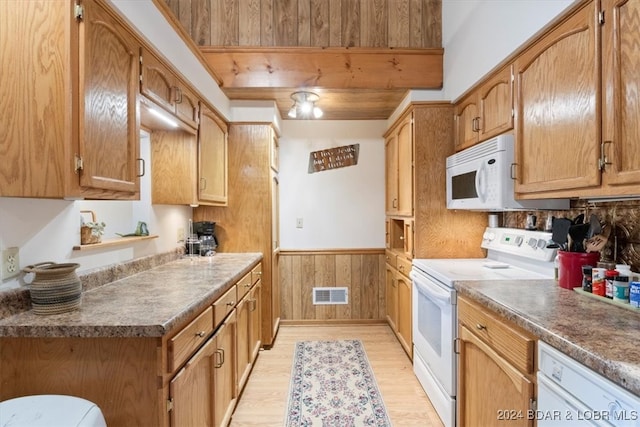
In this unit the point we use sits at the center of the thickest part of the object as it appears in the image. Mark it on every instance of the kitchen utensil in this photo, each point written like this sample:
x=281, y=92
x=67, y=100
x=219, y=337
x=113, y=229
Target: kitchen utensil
x=597, y=242
x=594, y=226
x=560, y=231
x=578, y=234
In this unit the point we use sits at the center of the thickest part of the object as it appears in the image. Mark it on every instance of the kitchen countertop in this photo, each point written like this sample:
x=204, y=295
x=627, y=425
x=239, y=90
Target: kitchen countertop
x=147, y=304
x=597, y=334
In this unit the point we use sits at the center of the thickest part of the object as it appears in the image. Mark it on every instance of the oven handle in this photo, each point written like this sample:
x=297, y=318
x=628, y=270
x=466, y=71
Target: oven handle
x=433, y=292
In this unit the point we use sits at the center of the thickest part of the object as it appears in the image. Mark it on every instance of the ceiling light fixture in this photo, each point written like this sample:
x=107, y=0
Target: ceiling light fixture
x=304, y=106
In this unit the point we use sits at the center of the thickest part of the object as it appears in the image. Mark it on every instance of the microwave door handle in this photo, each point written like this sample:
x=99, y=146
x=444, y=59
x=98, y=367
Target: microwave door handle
x=481, y=182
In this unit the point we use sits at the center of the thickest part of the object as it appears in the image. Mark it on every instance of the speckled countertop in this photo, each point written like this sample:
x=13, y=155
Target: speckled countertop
x=599, y=335
x=147, y=304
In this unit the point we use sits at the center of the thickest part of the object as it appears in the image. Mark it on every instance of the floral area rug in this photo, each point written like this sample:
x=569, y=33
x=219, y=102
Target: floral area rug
x=332, y=385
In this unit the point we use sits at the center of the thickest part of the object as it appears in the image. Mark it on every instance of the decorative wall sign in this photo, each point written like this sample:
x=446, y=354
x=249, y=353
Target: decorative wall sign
x=333, y=158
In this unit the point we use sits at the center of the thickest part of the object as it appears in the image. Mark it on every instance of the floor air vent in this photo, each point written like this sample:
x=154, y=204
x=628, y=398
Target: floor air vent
x=330, y=296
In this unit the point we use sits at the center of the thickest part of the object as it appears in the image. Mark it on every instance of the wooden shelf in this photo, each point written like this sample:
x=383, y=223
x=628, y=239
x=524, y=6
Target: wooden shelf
x=119, y=241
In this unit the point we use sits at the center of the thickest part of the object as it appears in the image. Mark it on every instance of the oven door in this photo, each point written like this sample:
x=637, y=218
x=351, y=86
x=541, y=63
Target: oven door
x=434, y=328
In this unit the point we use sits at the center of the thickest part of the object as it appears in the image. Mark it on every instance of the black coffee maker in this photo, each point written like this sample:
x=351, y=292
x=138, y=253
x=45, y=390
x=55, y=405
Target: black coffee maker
x=205, y=230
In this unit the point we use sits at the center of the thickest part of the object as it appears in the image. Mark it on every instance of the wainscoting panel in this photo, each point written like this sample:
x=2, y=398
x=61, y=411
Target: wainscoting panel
x=360, y=271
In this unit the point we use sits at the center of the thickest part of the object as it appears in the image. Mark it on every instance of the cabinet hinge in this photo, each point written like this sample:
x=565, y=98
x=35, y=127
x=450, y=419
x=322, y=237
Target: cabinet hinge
x=169, y=405
x=79, y=12
x=513, y=112
x=79, y=164
x=601, y=17
x=456, y=345
x=533, y=405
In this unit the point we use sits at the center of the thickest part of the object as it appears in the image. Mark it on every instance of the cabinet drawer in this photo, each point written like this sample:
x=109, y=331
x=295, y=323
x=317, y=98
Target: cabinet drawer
x=404, y=266
x=514, y=345
x=224, y=305
x=390, y=258
x=244, y=285
x=256, y=273
x=187, y=341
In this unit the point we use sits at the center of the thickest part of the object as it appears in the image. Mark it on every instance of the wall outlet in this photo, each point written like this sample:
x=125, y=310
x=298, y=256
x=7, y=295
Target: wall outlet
x=180, y=235
x=10, y=263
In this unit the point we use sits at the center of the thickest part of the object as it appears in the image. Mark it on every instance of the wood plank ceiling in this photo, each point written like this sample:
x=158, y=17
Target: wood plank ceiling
x=360, y=56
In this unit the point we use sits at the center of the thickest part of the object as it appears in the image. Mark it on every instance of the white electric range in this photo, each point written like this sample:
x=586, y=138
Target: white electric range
x=512, y=254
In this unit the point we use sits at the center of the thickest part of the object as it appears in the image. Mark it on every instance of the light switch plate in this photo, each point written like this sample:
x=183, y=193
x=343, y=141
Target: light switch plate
x=10, y=263
x=298, y=222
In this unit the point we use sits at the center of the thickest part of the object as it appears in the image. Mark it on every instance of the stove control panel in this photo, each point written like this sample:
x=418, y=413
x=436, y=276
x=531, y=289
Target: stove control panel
x=525, y=243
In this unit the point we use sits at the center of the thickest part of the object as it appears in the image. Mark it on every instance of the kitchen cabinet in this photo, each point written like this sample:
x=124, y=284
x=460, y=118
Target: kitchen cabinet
x=203, y=392
x=185, y=377
x=399, y=169
x=159, y=83
x=189, y=168
x=398, y=299
x=249, y=222
x=568, y=109
x=428, y=229
x=487, y=111
x=248, y=326
x=496, y=376
x=75, y=134
x=212, y=158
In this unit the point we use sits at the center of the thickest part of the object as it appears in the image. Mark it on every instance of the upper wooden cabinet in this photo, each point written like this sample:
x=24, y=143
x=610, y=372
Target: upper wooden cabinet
x=485, y=112
x=160, y=84
x=75, y=134
x=576, y=130
x=212, y=158
x=399, y=168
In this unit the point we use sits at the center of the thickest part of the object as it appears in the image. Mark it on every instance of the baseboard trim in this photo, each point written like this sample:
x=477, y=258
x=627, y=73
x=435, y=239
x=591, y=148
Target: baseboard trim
x=332, y=322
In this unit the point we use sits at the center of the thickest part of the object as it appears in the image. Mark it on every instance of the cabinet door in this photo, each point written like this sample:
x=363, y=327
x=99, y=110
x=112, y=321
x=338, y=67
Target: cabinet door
x=212, y=158
x=558, y=119
x=275, y=152
x=496, y=104
x=255, y=320
x=405, y=167
x=108, y=76
x=621, y=112
x=243, y=365
x=191, y=390
x=187, y=105
x=224, y=372
x=391, y=174
x=391, y=297
x=404, y=313
x=173, y=166
x=466, y=122
x=491, y=392
x=157, y=82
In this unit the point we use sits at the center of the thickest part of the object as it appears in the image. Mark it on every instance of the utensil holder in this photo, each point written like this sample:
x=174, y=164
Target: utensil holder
x=570, y=267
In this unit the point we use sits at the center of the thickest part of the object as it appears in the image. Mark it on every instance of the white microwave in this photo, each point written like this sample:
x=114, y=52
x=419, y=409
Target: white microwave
x=479, y=178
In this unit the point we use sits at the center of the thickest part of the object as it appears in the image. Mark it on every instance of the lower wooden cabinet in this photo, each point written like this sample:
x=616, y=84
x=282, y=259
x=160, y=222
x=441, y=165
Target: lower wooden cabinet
x=398, y=300
x=496, y=376
x=224, y=372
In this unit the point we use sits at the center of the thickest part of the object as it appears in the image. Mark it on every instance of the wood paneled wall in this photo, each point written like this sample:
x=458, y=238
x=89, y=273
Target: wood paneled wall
x=361, y=271
x=316, y=23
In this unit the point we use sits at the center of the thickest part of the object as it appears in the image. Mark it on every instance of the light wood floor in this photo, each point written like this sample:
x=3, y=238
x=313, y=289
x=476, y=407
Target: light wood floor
x=264, y=400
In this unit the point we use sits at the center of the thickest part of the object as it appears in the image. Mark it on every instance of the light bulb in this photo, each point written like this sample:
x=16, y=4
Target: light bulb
x=292, y=112
x=306, y=107
x=317, y=112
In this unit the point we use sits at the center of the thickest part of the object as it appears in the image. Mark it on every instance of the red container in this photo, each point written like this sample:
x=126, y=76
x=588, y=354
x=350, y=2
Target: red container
x=570, y=267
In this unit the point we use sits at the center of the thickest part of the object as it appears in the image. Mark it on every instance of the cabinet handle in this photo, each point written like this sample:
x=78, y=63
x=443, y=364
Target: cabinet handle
x=248, y=285
x=513, y=171
x=254, y=304
x=231, y=303
x=178, y=95
x=144, y=166
x=602, y=161
x=395, y=203
x=203, y=183
x=481, y=327
x=200, y=334
x=220, y=359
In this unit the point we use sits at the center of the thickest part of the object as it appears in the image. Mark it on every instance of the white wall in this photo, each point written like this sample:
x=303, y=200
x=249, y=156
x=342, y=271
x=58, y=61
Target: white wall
x=479, y=34
x=47, y=230
x=341, y=208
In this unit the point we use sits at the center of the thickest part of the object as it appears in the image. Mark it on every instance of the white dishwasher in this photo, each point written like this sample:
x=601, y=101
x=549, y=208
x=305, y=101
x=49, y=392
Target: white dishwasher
x=570, y=394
